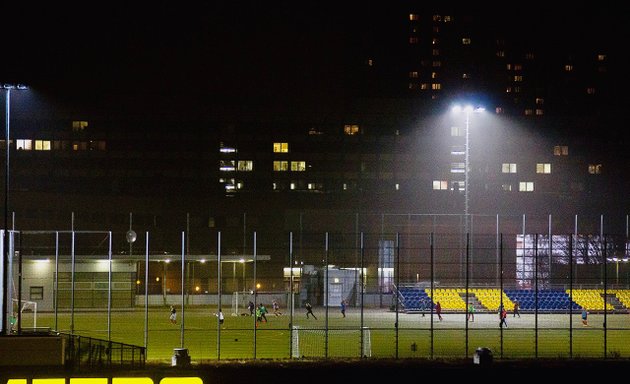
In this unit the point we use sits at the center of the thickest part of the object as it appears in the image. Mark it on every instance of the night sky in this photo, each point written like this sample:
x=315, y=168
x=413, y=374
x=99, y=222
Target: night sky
x=281, y=54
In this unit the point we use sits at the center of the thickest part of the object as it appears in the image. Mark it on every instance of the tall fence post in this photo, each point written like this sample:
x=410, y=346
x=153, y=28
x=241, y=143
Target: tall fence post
x=396, y=327
x=432, y=241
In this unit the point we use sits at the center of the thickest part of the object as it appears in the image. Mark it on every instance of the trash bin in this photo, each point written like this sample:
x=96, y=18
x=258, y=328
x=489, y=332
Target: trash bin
x=483, y=356
x=180, y=357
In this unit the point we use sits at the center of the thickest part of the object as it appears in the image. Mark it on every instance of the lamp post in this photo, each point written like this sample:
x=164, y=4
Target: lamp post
x=5, y=254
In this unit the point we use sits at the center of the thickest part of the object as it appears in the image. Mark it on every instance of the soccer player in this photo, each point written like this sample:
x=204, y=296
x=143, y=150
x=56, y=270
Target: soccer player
x=503, y=318
x=516, y=309
x=173, y=316
x=263, y=311
x=471, y=312
x=343, y=308
x=276, y=308
x=309, y=310
x=584, y=317
x=438, y=310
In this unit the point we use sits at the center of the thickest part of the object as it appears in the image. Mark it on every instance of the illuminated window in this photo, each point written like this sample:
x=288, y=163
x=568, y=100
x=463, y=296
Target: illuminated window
x=458, y=150
x=465, y=75
x=508, y=89
x=601, y=57
x=435, y=41
x=226, y=165
x=526, y=186
x=509, y=67
x=561, y=150
x=42, y=145
x=508, y=168
x=281, y=147
x=516, y=89
x=595, y=169
x=568, y=67
x=440, y=185
x=315, y=131
x=466, y=41
x=540, y=101
x=518, y=67
x=590, y=90
x=397, y=186
x=413, y=40
x=500, y=53
x=435, y=52
x=539, y=112
x=437, y=63
x=518, y=78
x=413, y=16
x=424, y=86
x=413, y=74
x=529, y=112
x=298, y=166
x=506, y=187
x=530, y=56
x=292, y=186
x=245, y=165
x=543, y=168
x=370, y=62
x=458, y=186
x=437, y=18
x=458, y=167
x=280, y=166
x=79, y=125
x=499, y=110
x=24, y=144
x=350, y=129
x=436, y=86
x=413, y=86
x=434, y=75
x=447, y=19
x=226, y=149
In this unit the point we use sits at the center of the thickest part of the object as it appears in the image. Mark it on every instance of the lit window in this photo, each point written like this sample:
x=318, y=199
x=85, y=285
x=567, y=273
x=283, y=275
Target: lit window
x=500, y=53
x=298, y=166
x=79, y=125
x=435, y=52
x=434, y=75
x=530, y=56
x=440, y=185
x=509, y=67
x=281, y=147
x=518, y=67
x=437, y=63
x=465, y=75
x=540, y=101
x=458, y=167
x=568, y=67
x=245, y=165
x=413, y=16
x=351, y=129
x=413, y=40
x=413, y=74
x=601, y=57
x=397, y=186
x=280, y=165
x=499, y=110
x=458, y=150
x=561, y=150
x=508, y=89
x=516, y=89
x=539, y=112
x=315, y=131
x=457, y=131
x=447, y=19
x=226, y=165
x=466, y=41
x=458, y=186
x=526, y=186
x=292, y=186
x=412, y=86
x=225, y=149
x=595, y=169
x=424, y=86
x=370, y=62
x=543, y=168
x=437, y=18
x=42, y=145
x=24, y=144
x=529, y=112
x=436, y=86
x=435, y=41
x=508, y=168
x=518, y=78
x=590, y=91
x=506, y=187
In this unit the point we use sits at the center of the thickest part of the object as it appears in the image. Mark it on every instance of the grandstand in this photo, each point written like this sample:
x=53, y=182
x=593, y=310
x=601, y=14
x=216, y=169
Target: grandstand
x=421, y=299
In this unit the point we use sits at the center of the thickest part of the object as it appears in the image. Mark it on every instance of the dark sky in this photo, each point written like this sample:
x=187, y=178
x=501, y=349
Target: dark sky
x=267, y=52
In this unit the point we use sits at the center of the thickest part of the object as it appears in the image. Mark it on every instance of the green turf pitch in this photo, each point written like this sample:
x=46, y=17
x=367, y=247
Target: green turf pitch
x=557, y=335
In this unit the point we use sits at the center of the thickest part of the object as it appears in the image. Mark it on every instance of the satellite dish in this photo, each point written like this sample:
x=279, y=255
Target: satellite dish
x=131, y=236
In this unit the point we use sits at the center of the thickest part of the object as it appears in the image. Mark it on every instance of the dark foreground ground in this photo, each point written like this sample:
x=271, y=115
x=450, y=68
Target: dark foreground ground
x=348, y=372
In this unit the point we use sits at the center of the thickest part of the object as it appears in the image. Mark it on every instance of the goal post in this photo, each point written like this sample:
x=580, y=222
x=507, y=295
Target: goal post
x=311, y=343
x=28, y=312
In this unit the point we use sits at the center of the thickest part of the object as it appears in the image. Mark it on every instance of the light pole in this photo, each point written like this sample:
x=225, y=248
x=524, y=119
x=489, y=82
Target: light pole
x=5, y=253
x=467, y=110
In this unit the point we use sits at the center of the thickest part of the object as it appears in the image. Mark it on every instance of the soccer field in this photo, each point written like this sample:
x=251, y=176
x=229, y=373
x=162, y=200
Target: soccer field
x=545, y=335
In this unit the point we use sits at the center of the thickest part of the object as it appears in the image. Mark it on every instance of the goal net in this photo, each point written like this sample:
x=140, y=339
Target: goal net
x=28, y=311
x=311, y=343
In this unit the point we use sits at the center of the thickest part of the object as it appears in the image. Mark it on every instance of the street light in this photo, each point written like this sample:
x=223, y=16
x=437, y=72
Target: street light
x=468, y=109
x=5, y=254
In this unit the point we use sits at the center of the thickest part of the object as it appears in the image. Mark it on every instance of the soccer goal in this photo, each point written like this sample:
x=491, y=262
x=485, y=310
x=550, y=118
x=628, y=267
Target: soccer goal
x=28, y=311
x=310, y=343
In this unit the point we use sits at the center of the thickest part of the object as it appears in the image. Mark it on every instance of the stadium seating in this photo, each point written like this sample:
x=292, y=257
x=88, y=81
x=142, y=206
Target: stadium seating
x=449, y=298
x=623, y=295
x=414, y=299
x=548, y=300
x=591, y=299
x=490, y=298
